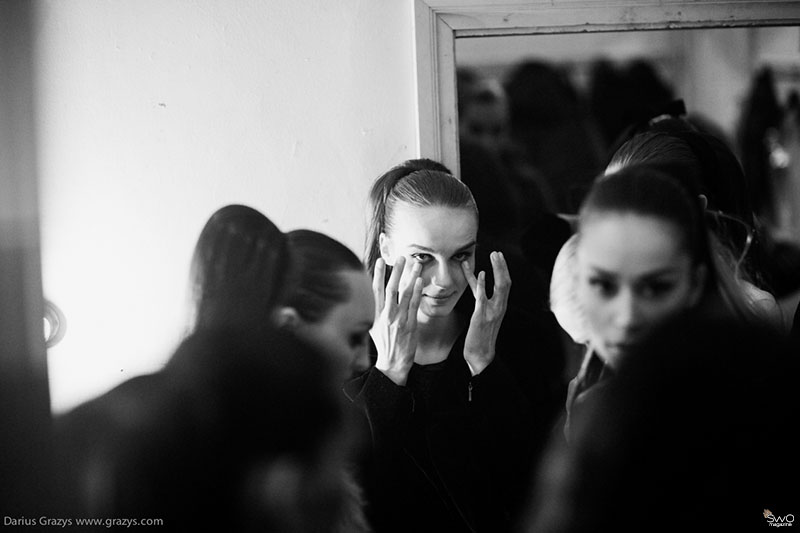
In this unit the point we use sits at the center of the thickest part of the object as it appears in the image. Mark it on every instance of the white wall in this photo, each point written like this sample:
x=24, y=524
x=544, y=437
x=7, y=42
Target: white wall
x=153, y=113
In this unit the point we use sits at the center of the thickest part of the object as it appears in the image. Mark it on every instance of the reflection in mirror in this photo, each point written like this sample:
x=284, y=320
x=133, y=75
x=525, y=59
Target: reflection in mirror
x=549, y=111
x=602, y=82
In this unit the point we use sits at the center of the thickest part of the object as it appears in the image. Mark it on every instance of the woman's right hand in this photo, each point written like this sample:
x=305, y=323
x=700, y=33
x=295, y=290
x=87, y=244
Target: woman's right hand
x=394, y=331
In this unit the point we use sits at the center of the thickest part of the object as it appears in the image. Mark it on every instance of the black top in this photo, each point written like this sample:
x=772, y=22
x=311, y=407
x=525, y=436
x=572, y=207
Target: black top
x=454, y=452
x=593, y=372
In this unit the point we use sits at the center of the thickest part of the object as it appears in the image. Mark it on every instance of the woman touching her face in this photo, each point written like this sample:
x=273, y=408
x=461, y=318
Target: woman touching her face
x=436, y=245
x=449, y=414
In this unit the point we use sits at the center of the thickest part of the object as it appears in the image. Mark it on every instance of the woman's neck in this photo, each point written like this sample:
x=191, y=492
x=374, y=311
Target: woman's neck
x=436, y=337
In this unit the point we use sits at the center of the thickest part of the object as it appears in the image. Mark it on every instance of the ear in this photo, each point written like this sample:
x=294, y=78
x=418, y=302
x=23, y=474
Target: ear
x=698, y=284
x=287, y=317
x=704, y=201
x=384, y=244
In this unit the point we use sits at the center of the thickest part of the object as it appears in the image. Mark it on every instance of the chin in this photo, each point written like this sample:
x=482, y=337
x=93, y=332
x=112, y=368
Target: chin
x=436, y=311
x=611, y=356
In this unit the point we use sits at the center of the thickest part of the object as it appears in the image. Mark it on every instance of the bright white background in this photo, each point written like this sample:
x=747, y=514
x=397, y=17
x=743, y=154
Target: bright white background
x=151, y=114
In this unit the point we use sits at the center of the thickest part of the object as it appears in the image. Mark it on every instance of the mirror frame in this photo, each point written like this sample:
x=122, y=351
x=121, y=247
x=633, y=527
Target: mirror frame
x=438, y=23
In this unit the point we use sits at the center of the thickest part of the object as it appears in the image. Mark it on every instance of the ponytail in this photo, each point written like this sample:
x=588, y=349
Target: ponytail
x=378, y=197
x=666, y=192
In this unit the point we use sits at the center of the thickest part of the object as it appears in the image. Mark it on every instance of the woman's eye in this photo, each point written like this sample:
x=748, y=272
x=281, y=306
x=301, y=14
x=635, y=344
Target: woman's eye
x=463, y=256
x=358, y=339
x=602, y=286
x=656, y=289
x=421, y=257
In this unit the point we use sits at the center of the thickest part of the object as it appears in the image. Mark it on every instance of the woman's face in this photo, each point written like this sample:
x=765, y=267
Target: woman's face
x=440, y=239
x=486, y=124
x=344, y=331
x=633, y=273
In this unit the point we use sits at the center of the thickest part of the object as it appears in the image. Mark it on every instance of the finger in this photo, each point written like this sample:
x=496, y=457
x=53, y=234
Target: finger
x=413, y=304
x=378, y=279
x=466, y=268
x=480, y=296
x=393, y=284
x=480, y=289
x=502, y=277
x=407, y=281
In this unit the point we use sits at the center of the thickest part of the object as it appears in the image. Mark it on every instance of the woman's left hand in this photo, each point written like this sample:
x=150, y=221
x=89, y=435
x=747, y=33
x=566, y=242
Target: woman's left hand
x=479, y=346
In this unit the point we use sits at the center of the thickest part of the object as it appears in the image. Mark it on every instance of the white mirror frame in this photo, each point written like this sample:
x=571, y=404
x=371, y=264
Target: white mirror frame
x=438, y=23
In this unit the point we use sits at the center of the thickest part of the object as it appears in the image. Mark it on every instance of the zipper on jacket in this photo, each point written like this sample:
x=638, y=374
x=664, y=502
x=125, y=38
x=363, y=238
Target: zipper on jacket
x=469, y=391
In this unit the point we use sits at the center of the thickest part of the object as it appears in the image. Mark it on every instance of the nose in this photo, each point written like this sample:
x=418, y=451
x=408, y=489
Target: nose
x=627, y=312
x=443, y=277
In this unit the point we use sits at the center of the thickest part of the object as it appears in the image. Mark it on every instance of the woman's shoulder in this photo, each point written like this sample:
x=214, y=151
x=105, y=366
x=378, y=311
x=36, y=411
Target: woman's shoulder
x=126, y=406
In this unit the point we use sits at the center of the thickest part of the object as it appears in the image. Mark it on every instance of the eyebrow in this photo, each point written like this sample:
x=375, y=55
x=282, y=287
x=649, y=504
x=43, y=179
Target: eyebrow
x=426, y=249
x=648, y=275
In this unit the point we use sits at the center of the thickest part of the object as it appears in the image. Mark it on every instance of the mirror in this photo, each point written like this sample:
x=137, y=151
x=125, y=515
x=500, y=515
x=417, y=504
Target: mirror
x=439, y=23
x=561, y=101
x=446, y=30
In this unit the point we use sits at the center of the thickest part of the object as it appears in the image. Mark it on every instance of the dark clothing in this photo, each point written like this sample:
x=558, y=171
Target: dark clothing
x=796, y=327
x=593, y=373
x=102, y=434
x=455, y=452
x=195, y=443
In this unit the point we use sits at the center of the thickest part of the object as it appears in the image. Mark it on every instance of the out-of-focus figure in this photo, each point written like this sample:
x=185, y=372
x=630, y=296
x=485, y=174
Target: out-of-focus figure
x=244, y=428
x=692, y=431
x=552, y=126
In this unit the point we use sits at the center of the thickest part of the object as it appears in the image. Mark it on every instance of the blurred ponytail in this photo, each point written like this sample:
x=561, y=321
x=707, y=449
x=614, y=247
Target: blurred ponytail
x=664, y=191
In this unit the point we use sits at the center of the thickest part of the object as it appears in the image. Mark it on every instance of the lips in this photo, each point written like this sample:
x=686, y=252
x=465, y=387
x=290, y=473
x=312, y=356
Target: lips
x=439, y=298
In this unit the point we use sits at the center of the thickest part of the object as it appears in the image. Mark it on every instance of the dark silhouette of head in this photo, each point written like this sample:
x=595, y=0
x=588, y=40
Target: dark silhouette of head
x=239, y=268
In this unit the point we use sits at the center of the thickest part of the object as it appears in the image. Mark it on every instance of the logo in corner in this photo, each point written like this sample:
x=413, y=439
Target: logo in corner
x=778, y=521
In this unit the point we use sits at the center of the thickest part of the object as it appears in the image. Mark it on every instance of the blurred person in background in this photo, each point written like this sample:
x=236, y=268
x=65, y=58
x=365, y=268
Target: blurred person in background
x=642, y=254
x=552, y=126
x=149, y=443
x=692, y=432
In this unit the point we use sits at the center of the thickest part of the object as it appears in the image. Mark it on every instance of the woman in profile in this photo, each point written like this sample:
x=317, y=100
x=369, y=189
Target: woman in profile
x=236, y=275
x=211, y=430
x=329, y=301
